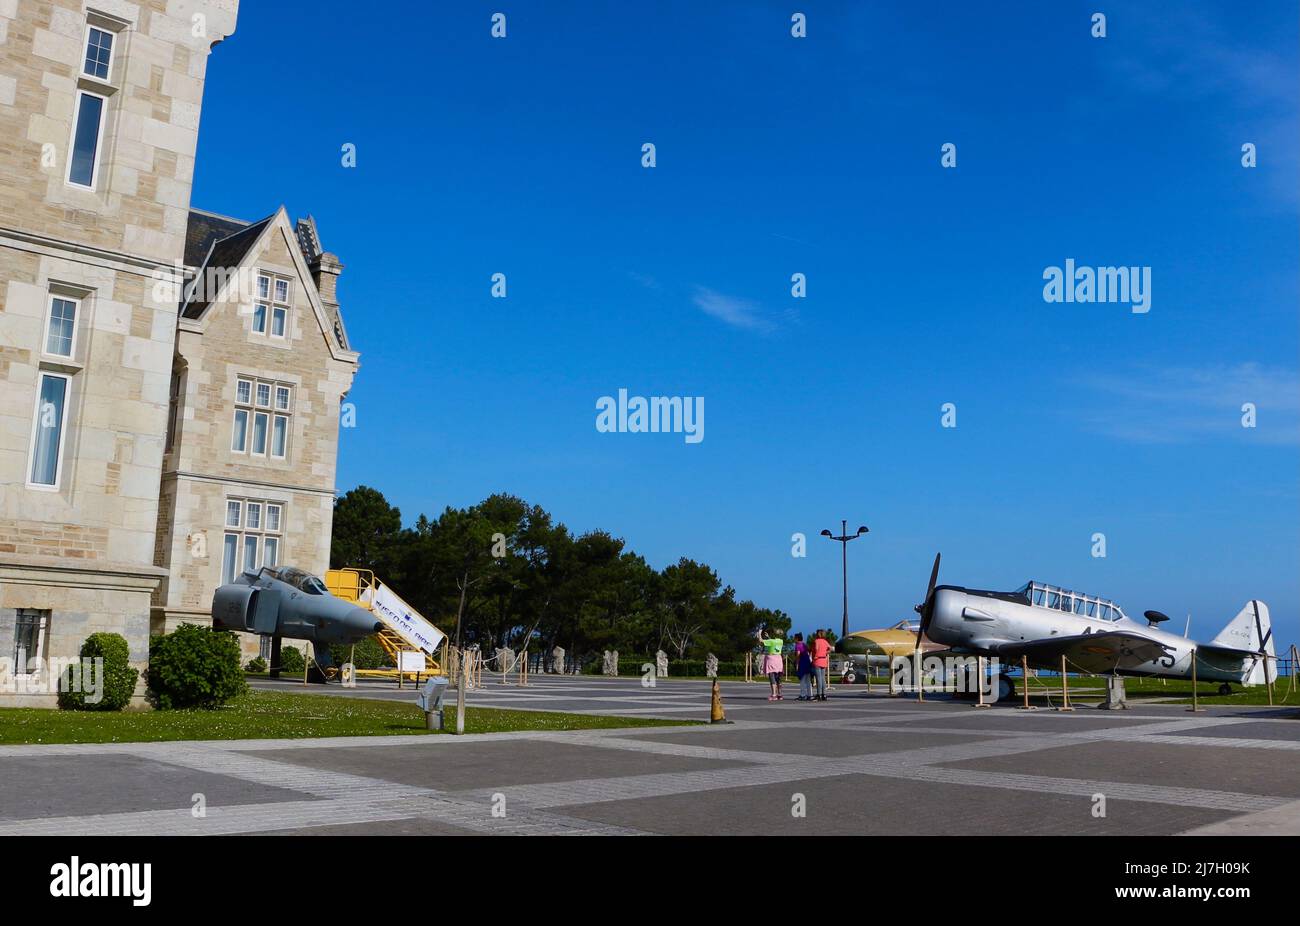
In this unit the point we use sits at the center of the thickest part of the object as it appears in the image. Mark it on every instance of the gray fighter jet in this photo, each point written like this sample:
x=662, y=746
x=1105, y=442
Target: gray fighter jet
x=288, y=602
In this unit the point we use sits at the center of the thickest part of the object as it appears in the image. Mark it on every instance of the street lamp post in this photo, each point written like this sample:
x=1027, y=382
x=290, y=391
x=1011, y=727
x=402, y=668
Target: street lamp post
x=844, y=539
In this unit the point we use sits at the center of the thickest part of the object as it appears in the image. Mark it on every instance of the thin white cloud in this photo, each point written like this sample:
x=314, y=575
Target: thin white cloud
x=739, y=313
x=1182, y=404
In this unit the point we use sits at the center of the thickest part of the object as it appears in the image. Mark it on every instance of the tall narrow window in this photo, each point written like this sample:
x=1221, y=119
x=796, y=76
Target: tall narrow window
x=239, y=433
x=47, y=429
x=230, y=567
x=87, y=133
x=279, y=436
x=61, y=326
x=30, y=630
x=259, y=434
x=173, y=412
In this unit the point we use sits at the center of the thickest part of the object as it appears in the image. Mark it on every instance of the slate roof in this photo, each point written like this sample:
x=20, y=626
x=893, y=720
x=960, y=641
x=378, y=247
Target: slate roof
x=205, y=229
x=229, y=240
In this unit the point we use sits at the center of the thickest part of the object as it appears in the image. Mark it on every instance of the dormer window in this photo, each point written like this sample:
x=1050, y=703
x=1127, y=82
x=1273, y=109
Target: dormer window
x=274, y=299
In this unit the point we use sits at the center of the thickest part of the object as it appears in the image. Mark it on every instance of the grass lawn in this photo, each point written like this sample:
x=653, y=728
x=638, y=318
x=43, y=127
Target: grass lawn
x=283, y=715
x=1178, y=690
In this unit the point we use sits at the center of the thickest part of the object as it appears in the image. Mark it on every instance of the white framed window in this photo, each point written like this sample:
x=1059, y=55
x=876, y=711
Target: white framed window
x=87, y=139
x=49, y=426
x=31, y=630
x=98, y=60
x=230, y=560
x=239, y=431
x=279, y=436
x=274, y=299
x=260, y=421
x=252, y=538
x=61, y=325
x=263, y=415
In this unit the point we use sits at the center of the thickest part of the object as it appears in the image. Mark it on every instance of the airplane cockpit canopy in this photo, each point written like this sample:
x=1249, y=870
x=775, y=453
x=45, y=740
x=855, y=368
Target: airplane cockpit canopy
x=305, y=582
x=1042, y=595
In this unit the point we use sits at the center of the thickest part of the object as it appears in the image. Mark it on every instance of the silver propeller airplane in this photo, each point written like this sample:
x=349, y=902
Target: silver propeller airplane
x=1044, y=622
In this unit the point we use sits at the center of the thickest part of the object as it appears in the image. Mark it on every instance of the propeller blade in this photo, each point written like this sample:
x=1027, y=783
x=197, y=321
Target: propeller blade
x=927, y=608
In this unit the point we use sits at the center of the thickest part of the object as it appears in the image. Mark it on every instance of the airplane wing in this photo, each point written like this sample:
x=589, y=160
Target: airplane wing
x=1097, y=653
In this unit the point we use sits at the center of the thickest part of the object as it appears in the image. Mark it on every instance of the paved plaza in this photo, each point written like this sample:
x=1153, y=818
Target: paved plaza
x=859, y=764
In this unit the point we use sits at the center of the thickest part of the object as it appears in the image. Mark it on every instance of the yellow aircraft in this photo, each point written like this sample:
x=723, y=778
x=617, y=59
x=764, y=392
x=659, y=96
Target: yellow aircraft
x=863, y=648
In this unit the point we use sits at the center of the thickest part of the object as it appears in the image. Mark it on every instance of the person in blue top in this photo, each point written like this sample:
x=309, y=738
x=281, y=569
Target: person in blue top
x=803, y=667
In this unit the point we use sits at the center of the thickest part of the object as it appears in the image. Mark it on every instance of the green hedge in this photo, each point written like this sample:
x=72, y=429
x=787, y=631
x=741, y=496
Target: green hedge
x=194, y=667
x=118, y=679
x=677, y=668
x=369, y=654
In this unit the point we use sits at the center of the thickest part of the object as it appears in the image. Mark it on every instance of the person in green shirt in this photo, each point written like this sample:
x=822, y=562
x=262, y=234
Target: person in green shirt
x=773, y=662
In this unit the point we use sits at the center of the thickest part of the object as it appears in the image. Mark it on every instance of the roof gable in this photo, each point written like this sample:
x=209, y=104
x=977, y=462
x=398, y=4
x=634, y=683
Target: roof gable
x=228, y=255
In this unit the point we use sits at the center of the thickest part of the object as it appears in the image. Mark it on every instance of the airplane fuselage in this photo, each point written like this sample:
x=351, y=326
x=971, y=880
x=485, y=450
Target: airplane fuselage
x=977, y=623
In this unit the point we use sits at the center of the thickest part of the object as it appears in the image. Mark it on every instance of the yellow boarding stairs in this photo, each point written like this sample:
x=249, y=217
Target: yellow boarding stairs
x=360, y=587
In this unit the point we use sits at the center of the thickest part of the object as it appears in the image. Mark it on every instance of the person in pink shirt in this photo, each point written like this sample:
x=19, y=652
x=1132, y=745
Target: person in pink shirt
x=821, y=660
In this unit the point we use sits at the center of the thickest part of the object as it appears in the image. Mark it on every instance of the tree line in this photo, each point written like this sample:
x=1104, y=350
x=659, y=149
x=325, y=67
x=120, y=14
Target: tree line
x=505, y=573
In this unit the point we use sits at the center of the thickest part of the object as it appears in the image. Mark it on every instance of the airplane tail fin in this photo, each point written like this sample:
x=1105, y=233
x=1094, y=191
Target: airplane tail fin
x=1251, y=630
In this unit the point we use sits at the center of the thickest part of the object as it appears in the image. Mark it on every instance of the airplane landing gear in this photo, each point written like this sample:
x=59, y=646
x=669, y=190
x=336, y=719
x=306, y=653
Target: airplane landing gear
x=1006, y=688
x=1225, y=689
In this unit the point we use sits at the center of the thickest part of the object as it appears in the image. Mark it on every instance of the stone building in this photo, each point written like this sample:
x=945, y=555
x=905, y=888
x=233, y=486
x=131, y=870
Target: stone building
x=260, y=372
x=125, y=375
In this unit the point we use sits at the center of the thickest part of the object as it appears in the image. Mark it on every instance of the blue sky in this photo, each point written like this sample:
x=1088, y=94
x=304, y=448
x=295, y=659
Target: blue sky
x=821, y=156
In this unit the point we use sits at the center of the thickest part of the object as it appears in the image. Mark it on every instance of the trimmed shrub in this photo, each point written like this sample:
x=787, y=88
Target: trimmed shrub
x=118, y=679
x=369, y=654
x=291, y=659
x=256, y=664
x=194, y=667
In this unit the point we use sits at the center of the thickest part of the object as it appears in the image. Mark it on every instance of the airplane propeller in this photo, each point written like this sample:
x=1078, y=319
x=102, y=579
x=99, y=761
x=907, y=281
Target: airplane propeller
x=926, y=608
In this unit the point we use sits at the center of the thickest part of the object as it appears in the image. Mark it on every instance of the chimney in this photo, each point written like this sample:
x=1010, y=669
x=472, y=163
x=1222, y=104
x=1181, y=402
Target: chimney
x=325, y=270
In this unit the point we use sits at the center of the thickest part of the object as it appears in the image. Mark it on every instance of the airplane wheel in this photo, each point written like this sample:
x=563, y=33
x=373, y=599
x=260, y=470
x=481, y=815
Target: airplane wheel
x=1225, y=689
x=850, y=677
x=1006, y=688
